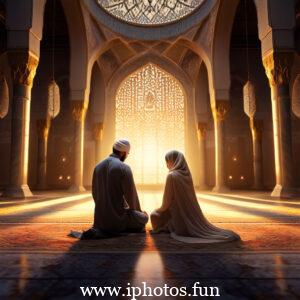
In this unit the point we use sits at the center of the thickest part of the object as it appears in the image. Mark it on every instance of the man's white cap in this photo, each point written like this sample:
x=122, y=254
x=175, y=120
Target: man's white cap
x=122, y=145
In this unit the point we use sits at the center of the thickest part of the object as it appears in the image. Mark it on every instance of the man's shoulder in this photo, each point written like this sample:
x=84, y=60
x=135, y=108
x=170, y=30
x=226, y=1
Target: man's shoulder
x=126, y=167
x=102, y=164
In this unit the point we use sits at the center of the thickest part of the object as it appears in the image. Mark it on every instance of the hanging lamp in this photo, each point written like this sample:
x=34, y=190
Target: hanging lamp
x=53, y=88
x=249, y=94
x=4, y=97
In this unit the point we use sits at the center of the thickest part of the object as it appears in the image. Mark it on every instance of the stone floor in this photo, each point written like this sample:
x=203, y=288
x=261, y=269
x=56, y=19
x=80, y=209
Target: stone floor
x=39, y=261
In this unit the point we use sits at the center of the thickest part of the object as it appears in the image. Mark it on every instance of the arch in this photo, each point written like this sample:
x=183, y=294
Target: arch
x=169, y=67
x=80, y=67
x=221, y=46
x=150, y=57
x=154, y=127
x=202, y=99
x=97, y=95
x=197, y=49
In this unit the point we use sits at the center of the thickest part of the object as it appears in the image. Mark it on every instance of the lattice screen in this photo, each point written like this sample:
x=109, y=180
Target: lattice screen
x=150, y=113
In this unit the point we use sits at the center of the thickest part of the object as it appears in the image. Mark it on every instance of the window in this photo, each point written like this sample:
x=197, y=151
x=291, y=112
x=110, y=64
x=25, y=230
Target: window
x=150, y=113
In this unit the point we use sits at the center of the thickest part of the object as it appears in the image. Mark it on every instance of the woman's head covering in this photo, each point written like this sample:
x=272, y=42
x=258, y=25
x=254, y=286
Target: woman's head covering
x=122, y=145
x=178, y=162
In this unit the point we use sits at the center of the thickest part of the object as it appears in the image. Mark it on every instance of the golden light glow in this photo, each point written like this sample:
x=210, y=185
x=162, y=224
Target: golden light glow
x=60, y=177
x=230, y=177
x=234, y=158
x=217, y=208
x=242, y=177
x=150, y=114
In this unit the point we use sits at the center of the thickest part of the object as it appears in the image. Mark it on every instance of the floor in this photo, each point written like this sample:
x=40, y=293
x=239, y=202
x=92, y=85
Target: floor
x=40, y=261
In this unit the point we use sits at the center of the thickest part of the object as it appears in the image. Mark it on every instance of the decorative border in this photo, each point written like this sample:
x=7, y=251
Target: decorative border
x=149, y=32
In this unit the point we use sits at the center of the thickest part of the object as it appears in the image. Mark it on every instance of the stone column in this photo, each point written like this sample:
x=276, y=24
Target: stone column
x=256, y=132
x=98, y=129
x=220, y=109
x=43, y=127
x=79, y=112
x=202, y=155
x=277, y=65
x=23, y=67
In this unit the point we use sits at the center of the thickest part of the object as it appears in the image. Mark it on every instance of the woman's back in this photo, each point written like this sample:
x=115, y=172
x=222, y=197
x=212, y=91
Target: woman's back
x=180, y=212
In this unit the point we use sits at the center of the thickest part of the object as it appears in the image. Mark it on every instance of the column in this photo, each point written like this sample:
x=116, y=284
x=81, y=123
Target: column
x=23, y=67
x=277, y=65
x=43, y=127
x=256, y=132
x=79, y=112
x=98, y=129
x=220, y=109
x=202, y=155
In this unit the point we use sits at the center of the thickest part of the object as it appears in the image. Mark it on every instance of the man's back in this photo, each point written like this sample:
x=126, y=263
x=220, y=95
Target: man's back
x=112, y=181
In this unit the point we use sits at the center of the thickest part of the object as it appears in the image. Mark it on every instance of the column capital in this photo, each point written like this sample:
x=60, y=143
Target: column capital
x=79, y=109
x=256, y=126
x=202, y=127
x=23, y=66
x=278, y=67
x=220, y=109
x=43, y=127
x=97, y=130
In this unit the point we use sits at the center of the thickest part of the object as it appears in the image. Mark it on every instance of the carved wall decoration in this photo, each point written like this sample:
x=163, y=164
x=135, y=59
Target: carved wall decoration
x=150, y=113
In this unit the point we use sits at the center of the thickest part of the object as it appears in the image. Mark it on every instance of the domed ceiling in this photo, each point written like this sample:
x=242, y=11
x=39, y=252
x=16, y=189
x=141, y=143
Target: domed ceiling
x=149, y=12
x=149, y=19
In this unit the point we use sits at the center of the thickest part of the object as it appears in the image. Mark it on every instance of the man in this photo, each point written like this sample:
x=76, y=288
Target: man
x=117, y=207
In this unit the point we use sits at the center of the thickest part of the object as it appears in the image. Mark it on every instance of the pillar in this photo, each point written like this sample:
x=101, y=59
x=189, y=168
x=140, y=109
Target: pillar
x=23, y=67
x=220, y=110
x=277, y=65
x=202, y=155
x=79, y=112
x=98, y=129
x=256, y=132
x=43, y=127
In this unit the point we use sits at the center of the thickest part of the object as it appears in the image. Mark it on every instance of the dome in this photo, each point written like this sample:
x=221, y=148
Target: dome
x=149, y=12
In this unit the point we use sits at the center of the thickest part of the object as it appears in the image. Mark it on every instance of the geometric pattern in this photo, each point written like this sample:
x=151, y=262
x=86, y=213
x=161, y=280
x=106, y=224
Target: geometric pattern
x=150, y=113
x=149, y=12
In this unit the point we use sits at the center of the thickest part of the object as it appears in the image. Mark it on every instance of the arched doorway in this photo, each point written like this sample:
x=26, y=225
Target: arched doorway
x=150, y=112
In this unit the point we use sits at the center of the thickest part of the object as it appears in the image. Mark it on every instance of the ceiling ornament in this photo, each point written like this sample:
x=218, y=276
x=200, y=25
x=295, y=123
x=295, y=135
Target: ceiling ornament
x=150, y=12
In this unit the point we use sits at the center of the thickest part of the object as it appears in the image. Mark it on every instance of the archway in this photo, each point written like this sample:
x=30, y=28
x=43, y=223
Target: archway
x=246, y=46
x=150, y=112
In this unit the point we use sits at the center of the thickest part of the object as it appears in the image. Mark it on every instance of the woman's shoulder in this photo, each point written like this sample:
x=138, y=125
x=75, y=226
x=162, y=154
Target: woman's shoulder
x=171, y=175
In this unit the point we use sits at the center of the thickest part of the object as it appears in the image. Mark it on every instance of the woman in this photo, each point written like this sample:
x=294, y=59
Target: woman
x=180, y=213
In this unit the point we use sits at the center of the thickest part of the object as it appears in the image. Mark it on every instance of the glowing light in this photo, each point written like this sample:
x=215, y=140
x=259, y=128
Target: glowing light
x=234, y=158
x=69, y=177
x=60, y=177
x=230, y=177
x=150, y=113
x=242, y=177
x=63, y=159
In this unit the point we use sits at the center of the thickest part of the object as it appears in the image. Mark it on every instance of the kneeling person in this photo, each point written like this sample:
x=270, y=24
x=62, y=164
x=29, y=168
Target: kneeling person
x=117, y=207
